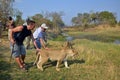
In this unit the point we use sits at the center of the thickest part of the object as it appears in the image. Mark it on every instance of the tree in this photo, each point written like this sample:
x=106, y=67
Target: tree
x=38, y=19
x=6, y=10
x=19, y=20
x=94, y=18
x=81, y=19
x=57, y=21
x=87, y=19
x=77, y=20
x=106, y=17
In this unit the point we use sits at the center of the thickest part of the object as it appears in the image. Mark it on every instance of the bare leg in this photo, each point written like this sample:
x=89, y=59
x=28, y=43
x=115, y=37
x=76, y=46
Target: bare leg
x=19, y=62
x=22, y=59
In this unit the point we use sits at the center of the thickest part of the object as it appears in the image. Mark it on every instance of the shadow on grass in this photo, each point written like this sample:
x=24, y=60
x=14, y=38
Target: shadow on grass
x=46, y=65
x=4, y=71
x=5, y=66
x=70, y=62
x=29, y=65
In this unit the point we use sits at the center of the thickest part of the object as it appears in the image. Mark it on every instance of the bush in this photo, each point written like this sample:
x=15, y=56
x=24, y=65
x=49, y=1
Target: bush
x=59, y=38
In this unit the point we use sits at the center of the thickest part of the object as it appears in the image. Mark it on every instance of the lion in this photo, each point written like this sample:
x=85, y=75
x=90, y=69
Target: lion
x=58, y=55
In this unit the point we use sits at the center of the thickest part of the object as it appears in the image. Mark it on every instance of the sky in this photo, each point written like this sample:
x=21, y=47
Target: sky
x=70, y=7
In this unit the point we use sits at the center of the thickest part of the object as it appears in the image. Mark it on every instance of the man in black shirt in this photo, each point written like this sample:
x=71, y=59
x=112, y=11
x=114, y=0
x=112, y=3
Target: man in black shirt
x=17, y=36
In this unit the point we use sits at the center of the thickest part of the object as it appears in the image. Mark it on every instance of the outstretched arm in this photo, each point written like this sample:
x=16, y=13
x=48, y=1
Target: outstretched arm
x=43, y=43
x=34, y=42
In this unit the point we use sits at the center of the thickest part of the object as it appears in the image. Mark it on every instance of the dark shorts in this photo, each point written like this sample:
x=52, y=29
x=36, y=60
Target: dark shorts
x=18, y=50
x=38, y=43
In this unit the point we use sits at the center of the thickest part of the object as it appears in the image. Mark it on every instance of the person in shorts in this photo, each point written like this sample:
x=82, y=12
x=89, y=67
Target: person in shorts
x=40, y=39
x=17, y=36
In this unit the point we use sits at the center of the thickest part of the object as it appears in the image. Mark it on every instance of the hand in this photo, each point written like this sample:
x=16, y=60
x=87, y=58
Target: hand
x=38, y=49
x=46, y=48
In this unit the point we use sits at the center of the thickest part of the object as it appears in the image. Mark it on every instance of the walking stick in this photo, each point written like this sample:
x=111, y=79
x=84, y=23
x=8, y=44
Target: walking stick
x=11, y=52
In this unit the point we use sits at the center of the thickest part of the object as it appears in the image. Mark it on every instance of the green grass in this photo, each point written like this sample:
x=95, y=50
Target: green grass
x=97, y=60
x=59, y=38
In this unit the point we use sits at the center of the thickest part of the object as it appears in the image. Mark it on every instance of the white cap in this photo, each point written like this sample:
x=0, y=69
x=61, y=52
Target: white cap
x=44, y=26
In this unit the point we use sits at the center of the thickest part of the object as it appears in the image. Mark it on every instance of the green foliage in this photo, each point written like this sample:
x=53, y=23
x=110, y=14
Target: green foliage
x=107, y=18
x=38, y=18
x=59, y=38
x=57, y=22
x=119, y=23
x=87, y=19
x=6, y=10
x=19, y=20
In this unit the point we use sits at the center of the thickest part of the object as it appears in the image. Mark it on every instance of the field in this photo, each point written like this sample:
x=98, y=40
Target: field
x=98, y=58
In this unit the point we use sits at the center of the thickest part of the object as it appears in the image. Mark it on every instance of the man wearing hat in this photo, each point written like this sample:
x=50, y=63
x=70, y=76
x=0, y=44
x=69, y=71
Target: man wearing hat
x=17, y=36
x=40, y=39
x=40, y=36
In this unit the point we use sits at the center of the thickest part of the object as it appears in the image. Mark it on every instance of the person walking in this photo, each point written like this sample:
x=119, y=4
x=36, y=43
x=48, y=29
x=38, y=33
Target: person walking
x=40, y=39
x=10, y=25
x=40, y=36
x=17, y=36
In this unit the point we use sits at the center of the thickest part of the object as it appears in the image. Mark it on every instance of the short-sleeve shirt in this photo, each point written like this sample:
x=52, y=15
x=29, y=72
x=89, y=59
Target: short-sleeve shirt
x=36, y=33
x=41, y=35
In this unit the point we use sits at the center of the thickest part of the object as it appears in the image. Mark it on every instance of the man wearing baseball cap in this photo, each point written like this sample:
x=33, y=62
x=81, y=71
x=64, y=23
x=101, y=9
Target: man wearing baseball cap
x=40, y=39
x=40, y=36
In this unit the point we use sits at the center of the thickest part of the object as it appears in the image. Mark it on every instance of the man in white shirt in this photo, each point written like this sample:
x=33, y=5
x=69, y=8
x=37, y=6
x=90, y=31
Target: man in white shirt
x=37, y=31
x=40, y=36
x=40, y=39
